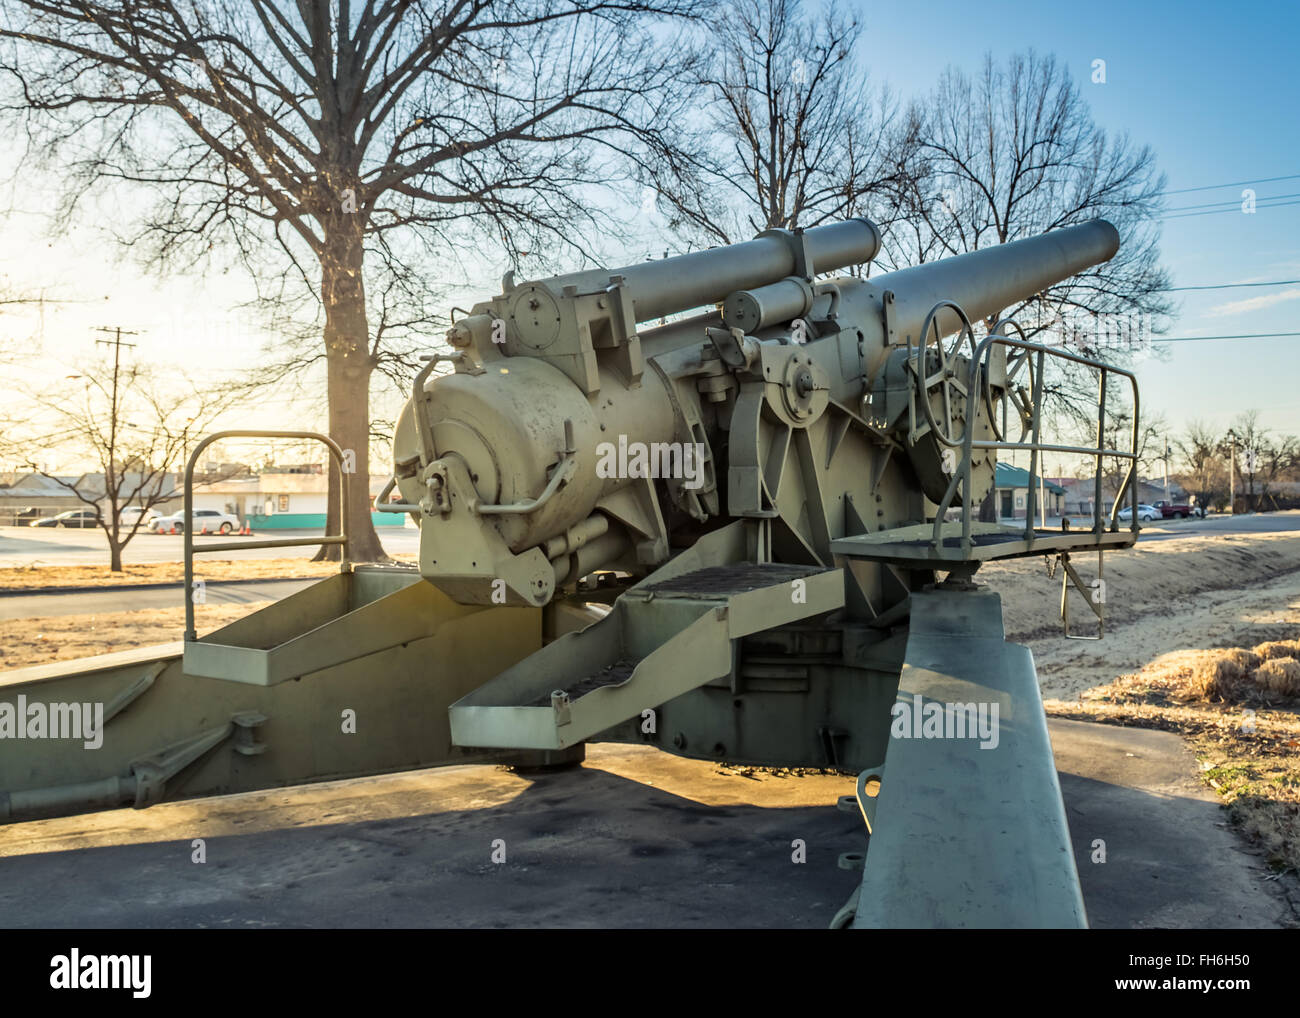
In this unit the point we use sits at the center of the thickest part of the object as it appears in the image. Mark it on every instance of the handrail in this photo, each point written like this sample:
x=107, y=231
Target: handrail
x=191, y=634
x=979, y=365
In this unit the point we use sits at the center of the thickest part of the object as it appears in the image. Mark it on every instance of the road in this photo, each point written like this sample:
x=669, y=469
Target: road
x=54, y=546
x=24, y=546
x=91, y=602
x=1163, y=530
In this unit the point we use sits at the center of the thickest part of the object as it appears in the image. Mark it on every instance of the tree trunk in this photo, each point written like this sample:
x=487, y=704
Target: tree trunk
x=114, y=556
x=348, y=369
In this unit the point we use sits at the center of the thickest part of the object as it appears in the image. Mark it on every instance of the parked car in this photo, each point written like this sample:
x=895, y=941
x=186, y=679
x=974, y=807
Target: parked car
x=131, y=513
x=215, y=522
x=1171, y=510
x=20, y=518
x=1146, y=513
x=72, y=518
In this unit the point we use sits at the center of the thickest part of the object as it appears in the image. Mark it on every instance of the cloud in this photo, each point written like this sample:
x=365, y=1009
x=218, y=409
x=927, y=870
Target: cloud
x=1254, y=303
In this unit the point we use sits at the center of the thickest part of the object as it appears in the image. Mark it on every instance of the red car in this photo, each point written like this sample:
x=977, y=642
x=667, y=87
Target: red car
x=1169, y=510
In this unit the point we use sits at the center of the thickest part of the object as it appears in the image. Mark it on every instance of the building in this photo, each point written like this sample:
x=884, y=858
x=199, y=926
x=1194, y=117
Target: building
x=27, y=496
x=284, y=500
x=1081, y=492
x=31, y=495
x=1010, y=493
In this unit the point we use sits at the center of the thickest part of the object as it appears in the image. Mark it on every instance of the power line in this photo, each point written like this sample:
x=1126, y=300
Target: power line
x=1235, y=183
x=1237, y=211
x=1231, y=286
x=1243, y=335
x=1230, y=201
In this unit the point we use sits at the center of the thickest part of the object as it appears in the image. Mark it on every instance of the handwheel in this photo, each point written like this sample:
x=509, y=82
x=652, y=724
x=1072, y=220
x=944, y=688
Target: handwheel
x=947, y=381
x=1014, y=394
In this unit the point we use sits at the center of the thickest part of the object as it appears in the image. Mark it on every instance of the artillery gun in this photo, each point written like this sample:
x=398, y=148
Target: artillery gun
x=746, y=534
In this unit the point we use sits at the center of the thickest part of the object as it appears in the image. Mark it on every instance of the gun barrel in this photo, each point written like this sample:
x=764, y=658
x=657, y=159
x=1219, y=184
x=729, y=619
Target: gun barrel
x=986, y=283
x=668, y=285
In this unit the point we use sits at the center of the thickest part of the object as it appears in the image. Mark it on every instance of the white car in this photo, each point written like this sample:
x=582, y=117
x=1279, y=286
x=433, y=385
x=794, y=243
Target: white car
x=131, y=513
x=215, y=522
x=1146, y=513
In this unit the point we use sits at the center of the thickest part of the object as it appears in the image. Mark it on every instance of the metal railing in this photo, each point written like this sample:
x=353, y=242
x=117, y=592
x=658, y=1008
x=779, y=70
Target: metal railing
x=341, y=538
x=978, y=397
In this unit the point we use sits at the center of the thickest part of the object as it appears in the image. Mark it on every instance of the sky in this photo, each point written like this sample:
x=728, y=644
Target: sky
x=1212, y=88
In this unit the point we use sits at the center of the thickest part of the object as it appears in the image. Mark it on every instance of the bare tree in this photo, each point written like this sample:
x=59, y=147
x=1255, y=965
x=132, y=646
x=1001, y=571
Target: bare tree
x=1249, y=439
x=309, y=137
x=127, y=424
x=1263, y=458
x=795, y=134
x=1279, y=458
x=1202, y=451
x=1012, y=152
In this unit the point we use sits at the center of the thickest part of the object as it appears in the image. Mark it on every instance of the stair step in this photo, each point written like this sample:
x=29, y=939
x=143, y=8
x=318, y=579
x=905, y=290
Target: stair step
x=664, y=637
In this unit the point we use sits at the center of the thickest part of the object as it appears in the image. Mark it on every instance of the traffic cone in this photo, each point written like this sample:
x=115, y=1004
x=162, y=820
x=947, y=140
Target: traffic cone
x=204, y=530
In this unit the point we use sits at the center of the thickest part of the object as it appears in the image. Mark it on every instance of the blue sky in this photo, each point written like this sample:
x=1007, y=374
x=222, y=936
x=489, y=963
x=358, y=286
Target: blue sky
x=1214, y=89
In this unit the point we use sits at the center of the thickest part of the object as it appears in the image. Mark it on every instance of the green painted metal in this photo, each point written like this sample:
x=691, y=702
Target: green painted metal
x=769, y=597
x=660, y=641
x=968, y=832
x=341, y=538
x=398, y=694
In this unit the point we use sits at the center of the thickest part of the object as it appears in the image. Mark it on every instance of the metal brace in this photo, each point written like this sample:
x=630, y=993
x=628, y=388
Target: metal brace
x=1095, y=595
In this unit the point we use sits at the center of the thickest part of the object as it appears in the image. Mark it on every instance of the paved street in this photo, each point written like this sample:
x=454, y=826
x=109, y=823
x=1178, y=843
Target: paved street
x=90, y=602
x=54, y=546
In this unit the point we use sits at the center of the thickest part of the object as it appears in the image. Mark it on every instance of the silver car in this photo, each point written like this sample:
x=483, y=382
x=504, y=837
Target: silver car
x=1146, y=513
x=215, y=522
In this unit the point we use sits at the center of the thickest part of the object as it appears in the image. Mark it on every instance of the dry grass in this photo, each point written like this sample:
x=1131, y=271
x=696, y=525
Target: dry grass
x=1279, y=648
x=1153, y=578
x=36, y=577
x=1239, y=709
x=65, y=637
x=1259, y=677
x=1280, y=675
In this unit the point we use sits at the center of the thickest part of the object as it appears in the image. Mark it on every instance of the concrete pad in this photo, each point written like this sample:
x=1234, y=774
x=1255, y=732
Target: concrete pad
x=676, y=845
x=1170, y=859
x=634, y=838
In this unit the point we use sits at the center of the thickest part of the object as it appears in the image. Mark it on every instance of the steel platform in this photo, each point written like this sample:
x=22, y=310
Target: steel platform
x=913, y=547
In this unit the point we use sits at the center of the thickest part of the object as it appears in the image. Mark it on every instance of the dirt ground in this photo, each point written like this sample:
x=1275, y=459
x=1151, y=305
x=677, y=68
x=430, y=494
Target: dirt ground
x=38, y=641
x=1164, y=601
x=38, y=577
x=1216, y=591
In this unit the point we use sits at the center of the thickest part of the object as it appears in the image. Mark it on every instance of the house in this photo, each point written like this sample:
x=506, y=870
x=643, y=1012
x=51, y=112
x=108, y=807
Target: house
x=47, y=496
x=1081, y=492
x=1011, y=488
x=290, y=500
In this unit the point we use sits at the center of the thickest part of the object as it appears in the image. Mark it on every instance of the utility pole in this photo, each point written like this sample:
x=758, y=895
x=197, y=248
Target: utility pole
x=1232, y=475
x=110, y=474
x=1166, y=470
